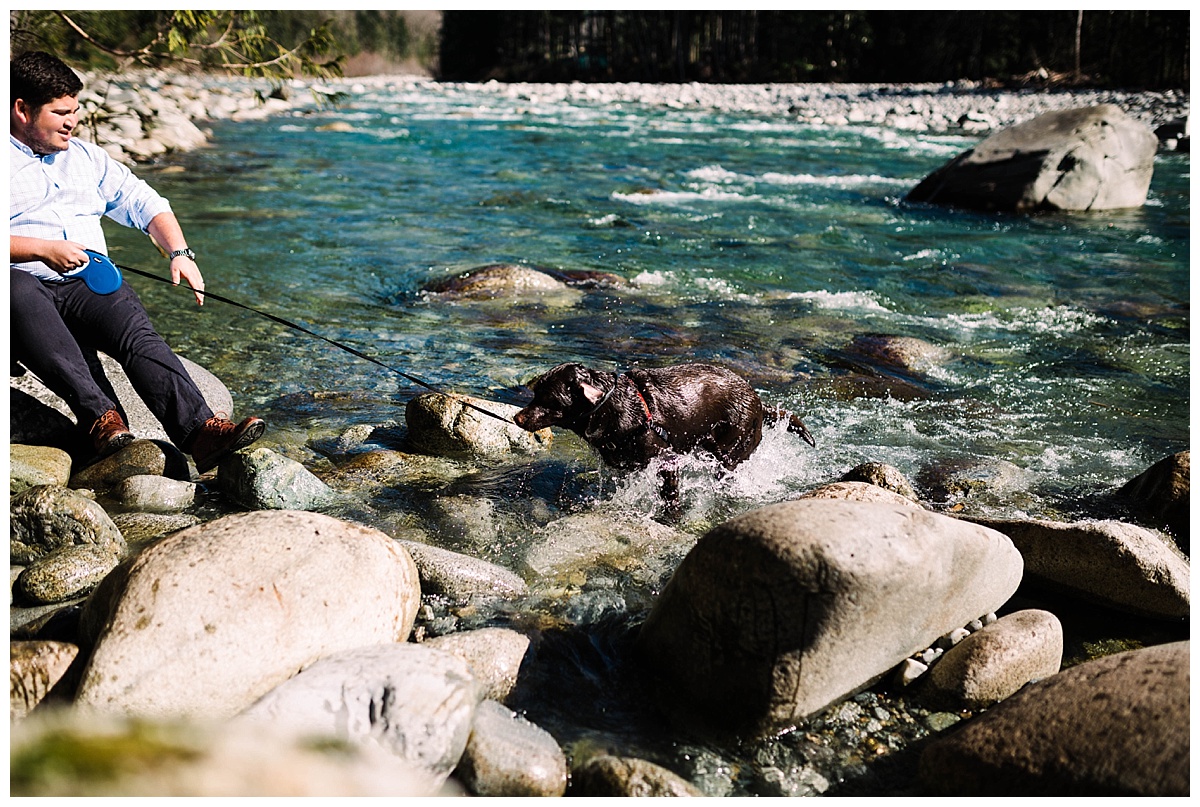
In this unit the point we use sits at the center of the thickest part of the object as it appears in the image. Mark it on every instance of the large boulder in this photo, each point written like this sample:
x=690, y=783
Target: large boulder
x=413, y=701
x=72, y=753
x=39, y=417
x=1091, y=158
x=209, y=619
x=778, y=613
x=1162, y=495
x=1111, y=563
x=1115, y=726
x=260, y=479
x=449, y=425
x=47, y=518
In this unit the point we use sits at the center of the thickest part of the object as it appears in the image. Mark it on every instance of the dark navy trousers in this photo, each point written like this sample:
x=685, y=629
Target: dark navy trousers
x=57, y=329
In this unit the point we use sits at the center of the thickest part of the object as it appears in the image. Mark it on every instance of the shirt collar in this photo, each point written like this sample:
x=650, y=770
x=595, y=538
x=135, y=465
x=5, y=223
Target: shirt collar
x=27, y=150
x=20, y=145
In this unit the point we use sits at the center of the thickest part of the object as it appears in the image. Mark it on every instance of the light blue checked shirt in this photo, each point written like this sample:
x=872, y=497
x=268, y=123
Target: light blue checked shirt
x=64, y=194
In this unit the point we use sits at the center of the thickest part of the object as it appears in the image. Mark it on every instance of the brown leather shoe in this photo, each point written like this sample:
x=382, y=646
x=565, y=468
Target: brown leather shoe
x=109, y=433
x=218, y=438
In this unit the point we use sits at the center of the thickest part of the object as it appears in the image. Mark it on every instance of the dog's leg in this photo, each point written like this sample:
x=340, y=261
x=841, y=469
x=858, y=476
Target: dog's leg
x=794, y=424
x=668, y=475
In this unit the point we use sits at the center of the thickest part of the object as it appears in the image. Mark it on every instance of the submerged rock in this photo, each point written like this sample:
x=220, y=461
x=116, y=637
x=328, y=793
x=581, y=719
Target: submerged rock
x=514, y=281
x=906, y=353
x=970, y=477
x=780, y=612
x=1114, y=726
x=496, y=280
x=1091, y=158
x=575, y=544
x=461, y=577
x=209, y=619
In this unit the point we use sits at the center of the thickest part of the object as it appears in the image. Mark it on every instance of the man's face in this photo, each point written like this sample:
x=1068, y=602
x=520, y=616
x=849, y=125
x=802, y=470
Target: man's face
x=47, y=128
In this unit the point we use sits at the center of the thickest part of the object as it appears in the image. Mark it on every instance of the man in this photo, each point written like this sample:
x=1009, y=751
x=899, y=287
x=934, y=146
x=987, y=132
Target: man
x=59, y=189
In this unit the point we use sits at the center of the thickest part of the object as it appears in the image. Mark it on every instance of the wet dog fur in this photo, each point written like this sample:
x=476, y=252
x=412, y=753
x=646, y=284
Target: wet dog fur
x=630, y=418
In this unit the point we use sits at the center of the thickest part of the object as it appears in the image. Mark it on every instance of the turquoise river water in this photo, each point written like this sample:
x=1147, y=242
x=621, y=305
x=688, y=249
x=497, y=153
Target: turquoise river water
x=759, y=243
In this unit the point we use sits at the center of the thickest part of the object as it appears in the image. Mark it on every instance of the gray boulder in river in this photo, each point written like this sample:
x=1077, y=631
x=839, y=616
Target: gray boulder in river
x=1117, y=565
x=784, y=610
x=1115, y=726
x=1162, y=495
x=450, y=425
x=415, y=702
x=1091, y=158
x=209, y=619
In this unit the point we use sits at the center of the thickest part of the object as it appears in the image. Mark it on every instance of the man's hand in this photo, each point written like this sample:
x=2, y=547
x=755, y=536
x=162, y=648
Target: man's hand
x=61, y=256
x=164, y=231
x=184, y=267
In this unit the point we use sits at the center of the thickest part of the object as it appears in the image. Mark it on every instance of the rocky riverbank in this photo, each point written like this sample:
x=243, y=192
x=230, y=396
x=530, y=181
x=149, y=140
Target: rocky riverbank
x=856, y=619
x=146, y=115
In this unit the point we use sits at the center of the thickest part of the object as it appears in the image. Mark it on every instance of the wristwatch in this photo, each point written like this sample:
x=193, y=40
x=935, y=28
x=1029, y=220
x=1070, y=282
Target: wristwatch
x=185, y=252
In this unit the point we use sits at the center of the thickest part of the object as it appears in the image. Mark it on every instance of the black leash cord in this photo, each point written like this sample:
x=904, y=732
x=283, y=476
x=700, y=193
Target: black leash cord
x=302, y=329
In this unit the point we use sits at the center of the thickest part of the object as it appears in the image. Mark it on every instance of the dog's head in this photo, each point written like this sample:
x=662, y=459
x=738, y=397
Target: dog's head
x=561, y=396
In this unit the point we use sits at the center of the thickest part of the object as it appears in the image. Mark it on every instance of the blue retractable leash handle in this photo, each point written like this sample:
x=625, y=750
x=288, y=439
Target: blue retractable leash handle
x=100, y=274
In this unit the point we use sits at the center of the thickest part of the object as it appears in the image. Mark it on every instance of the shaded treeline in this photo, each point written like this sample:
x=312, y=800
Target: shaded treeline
x=1114, y=48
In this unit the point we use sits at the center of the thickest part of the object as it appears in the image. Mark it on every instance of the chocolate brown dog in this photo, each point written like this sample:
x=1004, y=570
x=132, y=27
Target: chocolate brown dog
x=632, y=417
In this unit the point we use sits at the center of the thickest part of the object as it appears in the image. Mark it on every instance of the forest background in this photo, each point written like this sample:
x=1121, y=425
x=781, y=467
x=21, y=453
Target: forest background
x=1100, y=48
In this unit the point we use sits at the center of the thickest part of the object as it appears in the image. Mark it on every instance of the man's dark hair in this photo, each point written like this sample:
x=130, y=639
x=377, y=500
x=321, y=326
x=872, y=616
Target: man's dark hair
x=38, y=78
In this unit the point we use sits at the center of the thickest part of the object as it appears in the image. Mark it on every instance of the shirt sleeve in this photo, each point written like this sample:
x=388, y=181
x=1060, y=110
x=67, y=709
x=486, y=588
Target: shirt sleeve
x=128, y=200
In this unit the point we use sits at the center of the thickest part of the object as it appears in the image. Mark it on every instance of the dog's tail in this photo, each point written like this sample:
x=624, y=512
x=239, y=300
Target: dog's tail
x=794, y=424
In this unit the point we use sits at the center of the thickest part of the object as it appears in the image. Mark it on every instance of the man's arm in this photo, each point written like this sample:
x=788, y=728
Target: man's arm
x=61, y=256
x=166, y=232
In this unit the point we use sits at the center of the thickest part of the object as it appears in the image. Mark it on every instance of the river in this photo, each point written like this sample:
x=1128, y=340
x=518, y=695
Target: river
x=761, y=243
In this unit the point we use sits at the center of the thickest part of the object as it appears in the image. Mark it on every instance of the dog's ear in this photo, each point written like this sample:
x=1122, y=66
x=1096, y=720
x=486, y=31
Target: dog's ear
x=593, y=393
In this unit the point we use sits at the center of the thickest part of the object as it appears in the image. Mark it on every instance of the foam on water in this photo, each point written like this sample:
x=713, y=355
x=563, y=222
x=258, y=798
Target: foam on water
x=841, y=300
x=683, y=197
